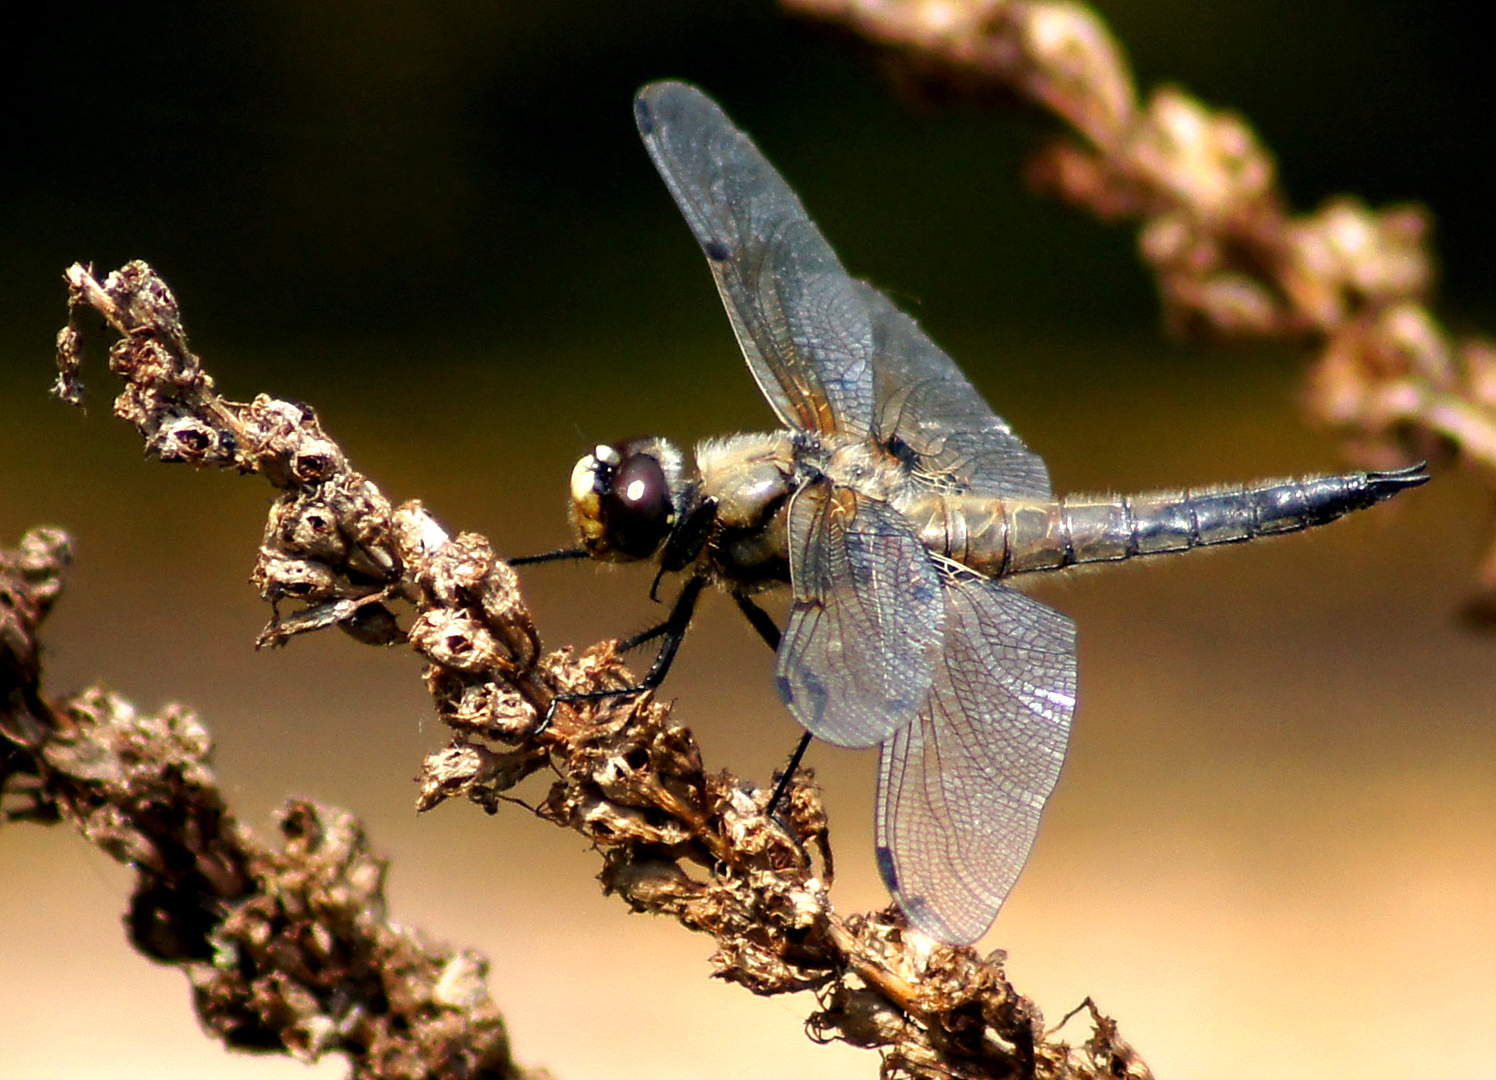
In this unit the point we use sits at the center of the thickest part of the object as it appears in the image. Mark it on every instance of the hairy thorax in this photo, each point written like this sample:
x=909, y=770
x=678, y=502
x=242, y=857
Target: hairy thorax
x=751, y=479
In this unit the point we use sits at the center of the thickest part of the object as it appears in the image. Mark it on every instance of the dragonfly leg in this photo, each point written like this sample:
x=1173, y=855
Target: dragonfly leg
x=760, y=620
x=788, y=774
x=643, y=637
x=551, y=556
x=673, y=630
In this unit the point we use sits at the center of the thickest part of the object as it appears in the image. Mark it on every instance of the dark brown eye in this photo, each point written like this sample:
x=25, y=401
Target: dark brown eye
x=623, y=498
x=637, y=505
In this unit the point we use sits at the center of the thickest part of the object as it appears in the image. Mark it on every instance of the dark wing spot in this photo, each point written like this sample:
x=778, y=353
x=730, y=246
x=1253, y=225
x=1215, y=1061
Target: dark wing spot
x=925, y=589
x=920, y=911
x=917, y=908
x=815, y=689
x=716, y=250
x=901, y=451
x=643, y=117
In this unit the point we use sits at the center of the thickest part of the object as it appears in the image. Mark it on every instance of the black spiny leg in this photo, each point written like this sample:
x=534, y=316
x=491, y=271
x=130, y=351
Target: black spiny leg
x=788, y=774
x=551, y=556
x=759, y=619
x=673, y=630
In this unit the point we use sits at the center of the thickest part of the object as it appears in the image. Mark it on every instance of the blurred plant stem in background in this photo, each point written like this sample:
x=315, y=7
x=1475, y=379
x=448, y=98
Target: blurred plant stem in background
x=1346, y=282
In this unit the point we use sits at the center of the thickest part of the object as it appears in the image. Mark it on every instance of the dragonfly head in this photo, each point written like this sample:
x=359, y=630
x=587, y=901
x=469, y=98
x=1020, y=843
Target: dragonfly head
x=623, y=498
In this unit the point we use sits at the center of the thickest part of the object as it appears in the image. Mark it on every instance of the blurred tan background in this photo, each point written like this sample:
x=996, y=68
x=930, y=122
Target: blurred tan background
x=1272, y=848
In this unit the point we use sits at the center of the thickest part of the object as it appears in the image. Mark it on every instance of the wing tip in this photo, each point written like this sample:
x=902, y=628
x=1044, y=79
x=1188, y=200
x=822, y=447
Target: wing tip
x=655, y=97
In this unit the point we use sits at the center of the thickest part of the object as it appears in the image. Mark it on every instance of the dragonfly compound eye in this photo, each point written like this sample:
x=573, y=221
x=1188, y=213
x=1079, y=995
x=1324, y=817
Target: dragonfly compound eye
x=622, y=498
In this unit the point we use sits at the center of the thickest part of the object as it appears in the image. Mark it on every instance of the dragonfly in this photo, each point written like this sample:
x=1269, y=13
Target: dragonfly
x=894, y=505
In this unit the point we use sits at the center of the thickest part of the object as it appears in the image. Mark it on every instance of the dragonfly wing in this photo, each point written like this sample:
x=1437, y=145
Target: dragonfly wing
x=802, y=322
x=961, y=789
x=858, y=652
x=922, y=399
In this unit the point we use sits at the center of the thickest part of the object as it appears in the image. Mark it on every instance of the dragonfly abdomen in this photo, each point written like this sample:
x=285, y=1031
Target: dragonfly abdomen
x=1008, y=537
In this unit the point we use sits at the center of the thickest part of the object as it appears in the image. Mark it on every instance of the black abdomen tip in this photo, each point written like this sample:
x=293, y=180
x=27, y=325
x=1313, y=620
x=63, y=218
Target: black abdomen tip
x=1384, y=485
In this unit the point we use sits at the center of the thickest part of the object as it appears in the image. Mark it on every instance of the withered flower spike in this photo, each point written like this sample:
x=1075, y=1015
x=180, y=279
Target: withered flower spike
x=675, y=839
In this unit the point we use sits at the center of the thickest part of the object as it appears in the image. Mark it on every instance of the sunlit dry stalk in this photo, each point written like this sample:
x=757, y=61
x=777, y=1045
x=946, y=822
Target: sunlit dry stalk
x=287, y=949
x=674, y=839
x=1350, y=282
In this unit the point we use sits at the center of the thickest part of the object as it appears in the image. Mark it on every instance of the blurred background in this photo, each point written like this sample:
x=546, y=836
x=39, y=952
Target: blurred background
x=1271, y=850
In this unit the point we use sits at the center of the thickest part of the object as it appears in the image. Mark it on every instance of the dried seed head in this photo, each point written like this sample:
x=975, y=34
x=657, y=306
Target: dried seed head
x=417, y=535
x=307, y=528
x=1085, y=71
x=191, y=440
x=280, y=577
x=488, y=710
x=457, y=640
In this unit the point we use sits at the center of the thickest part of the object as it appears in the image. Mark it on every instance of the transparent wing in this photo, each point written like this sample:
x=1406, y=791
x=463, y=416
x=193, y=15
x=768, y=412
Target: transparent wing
x=961, y=789
x=801, y=321
x=858, y=652
x=922, y=399
x=830, y=353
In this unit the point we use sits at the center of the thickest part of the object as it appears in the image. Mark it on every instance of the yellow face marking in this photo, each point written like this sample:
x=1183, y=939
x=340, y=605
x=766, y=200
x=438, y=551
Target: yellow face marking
x=583, y=476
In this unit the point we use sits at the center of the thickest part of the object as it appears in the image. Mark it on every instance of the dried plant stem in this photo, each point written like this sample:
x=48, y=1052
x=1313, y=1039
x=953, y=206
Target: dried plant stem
x=674, y=838
x=1350, y=282
x=288, y=949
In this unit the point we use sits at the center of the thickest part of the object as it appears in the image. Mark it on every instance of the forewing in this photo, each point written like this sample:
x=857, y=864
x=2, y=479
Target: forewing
x=802, y=323
x=858, y=652
x=961, y=789
x=922, y=398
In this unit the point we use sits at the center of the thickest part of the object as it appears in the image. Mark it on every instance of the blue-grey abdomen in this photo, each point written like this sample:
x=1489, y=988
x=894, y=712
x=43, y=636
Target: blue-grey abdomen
x=1006, y=537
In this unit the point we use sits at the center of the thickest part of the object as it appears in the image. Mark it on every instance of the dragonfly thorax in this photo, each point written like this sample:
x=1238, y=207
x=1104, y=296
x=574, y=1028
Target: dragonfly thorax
x=748, y=479
x=747, y=476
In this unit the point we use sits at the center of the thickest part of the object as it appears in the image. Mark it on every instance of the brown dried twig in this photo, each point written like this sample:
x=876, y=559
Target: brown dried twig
x=287, y=949
x=674, y=839
x=1348, y=281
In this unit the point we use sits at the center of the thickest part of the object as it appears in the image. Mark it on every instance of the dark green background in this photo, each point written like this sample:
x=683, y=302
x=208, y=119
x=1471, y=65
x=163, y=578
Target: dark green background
x=466, y=172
